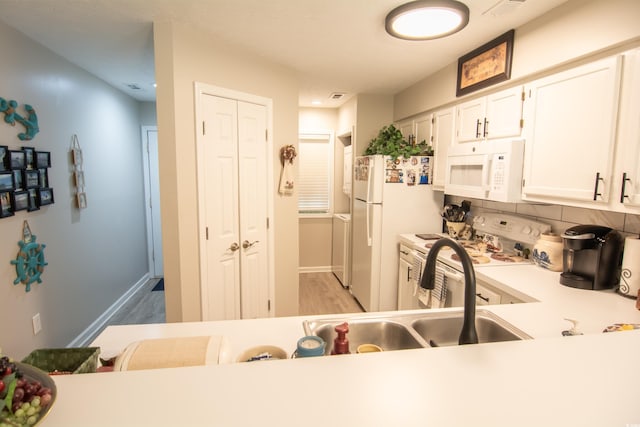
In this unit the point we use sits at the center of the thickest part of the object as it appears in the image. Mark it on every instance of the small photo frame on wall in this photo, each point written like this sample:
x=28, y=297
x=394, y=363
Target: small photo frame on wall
x=45, y=196
x=4, y=158
x=6, y=181
x=33, y=200
x=78, y=177
x=81, y=198
x=6, y=207
x=43, y=178
x=20, y=200
x=18, y=180
x=76, y=156
x=29, y=154
x=43, y=159
x=31, y=179
x=17, y=159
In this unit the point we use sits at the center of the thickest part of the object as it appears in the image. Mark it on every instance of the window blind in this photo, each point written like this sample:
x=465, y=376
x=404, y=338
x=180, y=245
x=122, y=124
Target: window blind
x=314, y=179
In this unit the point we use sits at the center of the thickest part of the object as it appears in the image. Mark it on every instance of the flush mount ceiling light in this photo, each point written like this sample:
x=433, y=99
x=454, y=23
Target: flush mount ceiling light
x=427, y=19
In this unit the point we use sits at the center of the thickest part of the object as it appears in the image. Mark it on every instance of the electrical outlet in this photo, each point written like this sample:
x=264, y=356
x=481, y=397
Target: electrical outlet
x=37, y=325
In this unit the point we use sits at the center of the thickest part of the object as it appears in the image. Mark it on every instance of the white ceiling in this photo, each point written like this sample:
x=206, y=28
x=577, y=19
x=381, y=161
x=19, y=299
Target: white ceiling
x=335, y=45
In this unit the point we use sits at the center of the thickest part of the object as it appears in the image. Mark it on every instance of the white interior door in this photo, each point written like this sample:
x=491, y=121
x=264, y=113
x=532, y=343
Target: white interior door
x=252, y=150
x=221, y=208
x=235, y=276
x=152, y=193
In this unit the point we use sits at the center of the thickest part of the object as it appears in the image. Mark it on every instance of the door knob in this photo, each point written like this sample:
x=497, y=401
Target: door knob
x=234, y=247
x=247, y=245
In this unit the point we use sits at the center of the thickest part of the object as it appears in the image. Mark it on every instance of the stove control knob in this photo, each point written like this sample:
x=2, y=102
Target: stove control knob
x=479, y=219
x=536, y=233
x=526, y=230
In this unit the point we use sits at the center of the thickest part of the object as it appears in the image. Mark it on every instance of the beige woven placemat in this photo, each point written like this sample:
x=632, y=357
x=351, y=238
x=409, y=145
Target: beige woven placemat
x=169, y=353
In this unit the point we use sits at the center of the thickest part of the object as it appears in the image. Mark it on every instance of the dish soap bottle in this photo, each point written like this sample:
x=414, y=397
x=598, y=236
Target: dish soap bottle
x=341, y=344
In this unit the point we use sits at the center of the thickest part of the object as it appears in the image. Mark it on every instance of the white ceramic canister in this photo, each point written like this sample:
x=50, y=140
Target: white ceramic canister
x=547, y=252
x=630, y=277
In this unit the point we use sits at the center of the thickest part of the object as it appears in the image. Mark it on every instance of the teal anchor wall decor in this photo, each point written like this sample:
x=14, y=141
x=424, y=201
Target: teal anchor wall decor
x=30, y=261
x=11, y=117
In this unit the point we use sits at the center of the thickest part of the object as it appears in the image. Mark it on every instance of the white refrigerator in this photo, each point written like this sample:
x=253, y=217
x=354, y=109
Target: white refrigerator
x=391, y=197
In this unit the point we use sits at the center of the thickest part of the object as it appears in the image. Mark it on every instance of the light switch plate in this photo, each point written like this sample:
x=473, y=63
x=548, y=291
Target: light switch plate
x=37, y=325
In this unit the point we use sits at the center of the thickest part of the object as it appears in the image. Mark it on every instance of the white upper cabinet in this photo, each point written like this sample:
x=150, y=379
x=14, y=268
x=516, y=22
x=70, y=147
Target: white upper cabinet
x=417, y=129
x=570, y=130
x=626, y=184
x=406, y=129
x=422, y=128
x=495, y=116
x=443, y=134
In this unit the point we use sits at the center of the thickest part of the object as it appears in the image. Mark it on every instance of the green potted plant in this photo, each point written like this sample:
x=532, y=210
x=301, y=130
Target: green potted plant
x=390, y=142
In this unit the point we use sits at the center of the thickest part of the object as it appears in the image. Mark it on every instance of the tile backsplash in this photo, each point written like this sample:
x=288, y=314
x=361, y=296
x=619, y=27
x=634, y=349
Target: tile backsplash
x=558, y=217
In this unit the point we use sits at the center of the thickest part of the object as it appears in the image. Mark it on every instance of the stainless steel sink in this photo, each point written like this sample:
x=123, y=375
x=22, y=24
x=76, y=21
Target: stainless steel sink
x=444, y=330
x=383, y=332
x=407, y=331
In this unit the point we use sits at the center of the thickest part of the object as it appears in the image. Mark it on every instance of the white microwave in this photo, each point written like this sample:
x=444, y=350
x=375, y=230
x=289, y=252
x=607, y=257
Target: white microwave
x=490, y=170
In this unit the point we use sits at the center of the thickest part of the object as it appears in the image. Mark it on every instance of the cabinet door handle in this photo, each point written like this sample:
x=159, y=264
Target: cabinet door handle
x=624, y=184
x=486, y=128
x=483, y=298
x=595, y=191
x=478, y=123
x=409, y=273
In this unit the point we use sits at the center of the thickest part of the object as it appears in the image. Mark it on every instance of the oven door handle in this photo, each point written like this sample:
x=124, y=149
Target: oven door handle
x=453, y=275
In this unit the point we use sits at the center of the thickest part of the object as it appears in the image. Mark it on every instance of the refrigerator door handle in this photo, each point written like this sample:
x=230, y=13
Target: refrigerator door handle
x=369, y=179
x=369, y=238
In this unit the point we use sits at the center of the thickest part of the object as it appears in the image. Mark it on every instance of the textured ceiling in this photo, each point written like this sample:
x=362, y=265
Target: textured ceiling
x=335, y=45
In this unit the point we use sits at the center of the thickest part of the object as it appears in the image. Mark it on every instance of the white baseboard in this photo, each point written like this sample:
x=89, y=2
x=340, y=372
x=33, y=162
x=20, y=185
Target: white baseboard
x=89, y=334
x=316, y=269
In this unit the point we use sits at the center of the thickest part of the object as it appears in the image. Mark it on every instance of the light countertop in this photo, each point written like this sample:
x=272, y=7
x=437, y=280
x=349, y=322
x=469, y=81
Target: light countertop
x=587, y=380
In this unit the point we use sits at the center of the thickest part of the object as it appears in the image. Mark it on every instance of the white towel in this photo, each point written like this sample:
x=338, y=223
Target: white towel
x=286, y=180
x=439, y=293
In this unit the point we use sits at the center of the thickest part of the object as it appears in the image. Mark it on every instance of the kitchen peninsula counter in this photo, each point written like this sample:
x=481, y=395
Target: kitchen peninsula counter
x=586, y=380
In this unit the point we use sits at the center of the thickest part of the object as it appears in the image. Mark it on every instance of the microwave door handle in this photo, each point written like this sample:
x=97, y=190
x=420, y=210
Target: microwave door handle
x=486, y=166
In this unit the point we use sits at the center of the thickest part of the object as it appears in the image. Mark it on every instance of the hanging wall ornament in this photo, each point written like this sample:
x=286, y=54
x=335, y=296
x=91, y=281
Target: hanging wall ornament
x=287, y=154
x=30, y=123
x=30, y=261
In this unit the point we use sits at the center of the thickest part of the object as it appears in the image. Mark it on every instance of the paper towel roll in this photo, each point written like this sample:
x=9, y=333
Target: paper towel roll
x=630, y=277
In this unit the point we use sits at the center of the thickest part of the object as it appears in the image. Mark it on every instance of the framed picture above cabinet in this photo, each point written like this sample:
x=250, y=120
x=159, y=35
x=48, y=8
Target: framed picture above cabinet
x=485, y=66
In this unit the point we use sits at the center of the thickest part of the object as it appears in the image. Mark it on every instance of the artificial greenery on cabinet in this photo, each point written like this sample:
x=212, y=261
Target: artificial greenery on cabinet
x=391, y=142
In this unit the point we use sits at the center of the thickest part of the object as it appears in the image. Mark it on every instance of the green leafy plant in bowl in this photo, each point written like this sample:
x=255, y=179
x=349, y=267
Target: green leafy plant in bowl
x=391, y=142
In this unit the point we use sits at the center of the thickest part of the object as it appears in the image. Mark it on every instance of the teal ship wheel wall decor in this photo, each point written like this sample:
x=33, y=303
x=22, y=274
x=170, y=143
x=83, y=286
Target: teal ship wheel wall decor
x=30, y=261
x=11, y=117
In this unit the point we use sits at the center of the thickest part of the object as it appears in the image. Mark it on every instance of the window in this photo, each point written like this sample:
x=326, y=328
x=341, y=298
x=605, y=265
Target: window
x=315, y=173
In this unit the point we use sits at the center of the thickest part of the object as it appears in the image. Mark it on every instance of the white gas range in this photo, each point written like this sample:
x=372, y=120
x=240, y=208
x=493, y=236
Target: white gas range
x=499, y=240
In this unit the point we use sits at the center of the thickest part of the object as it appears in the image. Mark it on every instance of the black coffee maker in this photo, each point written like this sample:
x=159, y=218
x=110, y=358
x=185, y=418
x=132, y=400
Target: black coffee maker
x=591, y=257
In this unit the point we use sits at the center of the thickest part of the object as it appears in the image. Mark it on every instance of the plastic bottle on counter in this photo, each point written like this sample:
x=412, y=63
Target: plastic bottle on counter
x=547, y=252
x=340, y=343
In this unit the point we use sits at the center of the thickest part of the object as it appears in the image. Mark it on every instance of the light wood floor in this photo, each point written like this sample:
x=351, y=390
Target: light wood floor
x=322, y=293
x=319, y=293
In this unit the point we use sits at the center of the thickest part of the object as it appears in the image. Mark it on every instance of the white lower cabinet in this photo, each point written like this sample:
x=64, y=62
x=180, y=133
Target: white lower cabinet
x=407, y=299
